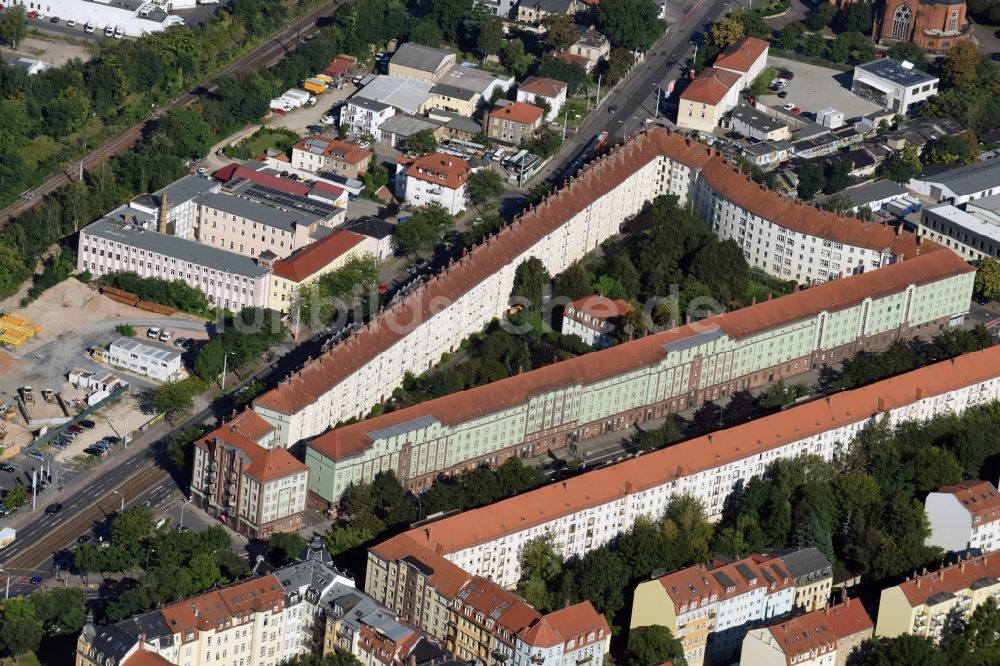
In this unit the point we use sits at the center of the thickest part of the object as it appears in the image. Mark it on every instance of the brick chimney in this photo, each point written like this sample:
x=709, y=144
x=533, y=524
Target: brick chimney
x=162, y=225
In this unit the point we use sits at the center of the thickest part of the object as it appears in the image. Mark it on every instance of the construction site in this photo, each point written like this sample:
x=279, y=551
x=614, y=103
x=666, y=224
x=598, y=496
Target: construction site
x=46, y=376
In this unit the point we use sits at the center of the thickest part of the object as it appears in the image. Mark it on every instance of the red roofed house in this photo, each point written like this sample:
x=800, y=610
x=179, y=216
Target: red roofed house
x=515, y=123
x=928, y=603
x=253, y=488
x=434, y=178
x=824, y=637
x=964, y=517
x=572, y=635
x=747, y=57
x=307, y=264
x=709, y=97
x=711, y=608
x=322, y=153
x=595, y=319
x=550, y=90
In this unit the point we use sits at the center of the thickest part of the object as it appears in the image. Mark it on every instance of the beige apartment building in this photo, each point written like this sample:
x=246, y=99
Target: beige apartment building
x=825, y=637
x=925, y=604
x=515, y=123
x=251, y=228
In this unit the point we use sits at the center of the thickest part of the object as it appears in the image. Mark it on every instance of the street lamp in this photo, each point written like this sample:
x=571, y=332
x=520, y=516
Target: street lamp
x=7, y=593
x=115, y=492
x=183, y=504
x=151, y=550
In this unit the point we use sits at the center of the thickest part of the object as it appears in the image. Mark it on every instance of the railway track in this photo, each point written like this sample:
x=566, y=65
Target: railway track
x=263, y=56
x=96, y=512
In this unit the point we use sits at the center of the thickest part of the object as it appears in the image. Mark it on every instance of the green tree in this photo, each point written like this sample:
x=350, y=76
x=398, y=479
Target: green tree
x=838, y=203
x=15, y=498
x=448, y=14
x=60, y=611
x=726, y=30
x=978, y=641
x=902, y=166
x=631, y=24
x=949, y=149
x=22, y=632
x=422, y=231
x=618, y=64
x=284, y=547
x=609, y=287
x=427, y=32
x=13, y=26
x=187, y=130
x=531, y=281
x=788, y=38
x=811, y=180
x=959, y=69
x=541, y=568
x=908, y=649
x=598, y=577
x=484, y=187
x=176, y=398
x=560, y=31
x=574, y=283
x=574, y=76
x=545, y=144
x=515, y=58
x=821, y=16
x=422, y=142
x=491, y=37
x=376, y=177
x=654, y=645
x=987, y=285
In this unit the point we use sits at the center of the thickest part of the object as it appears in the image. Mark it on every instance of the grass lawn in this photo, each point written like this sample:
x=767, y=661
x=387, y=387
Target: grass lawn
x=577, y=110
x=24, y=660
x=260, y=141
x=762, y=284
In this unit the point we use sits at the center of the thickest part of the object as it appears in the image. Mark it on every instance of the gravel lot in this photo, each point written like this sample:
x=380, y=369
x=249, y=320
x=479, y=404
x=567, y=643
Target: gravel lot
x=815, y=87
x=53, y=50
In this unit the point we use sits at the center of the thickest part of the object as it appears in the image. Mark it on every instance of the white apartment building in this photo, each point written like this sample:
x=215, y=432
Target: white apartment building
x=180, y=200
x=791, y=241
x=587, y=511
x=229, y=280
x=964, y=517
x=595, y=319
x=151, y=361
x=590, y=208
x=436, y=178
x=972, y=233
x=365, y=116
x=550, y=90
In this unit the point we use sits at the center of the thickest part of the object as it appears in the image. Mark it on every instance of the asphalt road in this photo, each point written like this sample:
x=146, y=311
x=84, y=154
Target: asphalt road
x=636, y=97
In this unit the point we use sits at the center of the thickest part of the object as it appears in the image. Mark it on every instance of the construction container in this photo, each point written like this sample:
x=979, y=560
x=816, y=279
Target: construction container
x=315, y=85
x=295, y=97
x=158, y=308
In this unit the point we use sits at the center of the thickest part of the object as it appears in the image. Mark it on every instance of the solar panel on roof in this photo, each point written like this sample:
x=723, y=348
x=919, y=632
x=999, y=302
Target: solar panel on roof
x=724, y=580
x=746, y=572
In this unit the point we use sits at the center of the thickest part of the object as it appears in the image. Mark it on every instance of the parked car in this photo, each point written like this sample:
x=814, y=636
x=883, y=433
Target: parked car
x=75, y=428
x=6, y=467
x=328, y=120
x=112, y=440
x=71, y=23
x=783, y=94
x=32, y=15
x=166, y=335
x=180, y=342
x=153, y=333
x=788, y=106
x=88, y=424
x=36, y=580
x=89, y=28
x=613, y=108
x=85, y=538
x=54, y=19
x=36, y=455
x=109, y=31
x=53, y=509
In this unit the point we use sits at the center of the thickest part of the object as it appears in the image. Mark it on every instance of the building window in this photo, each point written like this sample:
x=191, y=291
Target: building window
x=901, y=22
x=953, y=22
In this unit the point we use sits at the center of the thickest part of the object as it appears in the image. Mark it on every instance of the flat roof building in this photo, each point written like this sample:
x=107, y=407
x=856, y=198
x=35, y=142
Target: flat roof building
x=754, y=124
x=416, y=61
x=148, y=360
x=959, y=185
x=971, y=235
x=897, y=86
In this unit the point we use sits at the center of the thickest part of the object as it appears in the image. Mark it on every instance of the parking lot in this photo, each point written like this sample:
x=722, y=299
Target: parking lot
x=813, y=88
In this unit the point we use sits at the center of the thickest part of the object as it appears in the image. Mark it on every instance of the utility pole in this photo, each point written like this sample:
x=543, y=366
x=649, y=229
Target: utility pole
x=125, y=434
x=656, y=111
x=598, y=102
x=565, y=120
x=34, y=491
x=225, y=366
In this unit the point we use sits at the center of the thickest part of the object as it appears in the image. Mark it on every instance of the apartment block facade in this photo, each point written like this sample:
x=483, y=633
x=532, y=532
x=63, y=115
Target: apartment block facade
x=460, y=300
x=964, y=517
x=475, y=618
x=614, y=389
x=252, y=228
x=709, y=609
x=927, y=603
x=589, y=510
x=240, y=478
x=826, y=637
x=228, y=280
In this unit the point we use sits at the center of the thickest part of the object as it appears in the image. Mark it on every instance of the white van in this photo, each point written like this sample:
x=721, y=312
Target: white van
x=109, y=31
x=89, y=28
x=119, y=33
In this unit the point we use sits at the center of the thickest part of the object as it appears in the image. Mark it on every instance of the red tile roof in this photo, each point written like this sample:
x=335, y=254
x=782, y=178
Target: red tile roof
x=601, y=307
x=243, y=433
x=519, y=112
x=700, y=582
x=818, y=632
x=143, y=658
x=573, y=59
x=475, y=402
x=232, y=171
x=324, y=188
x=577, y=622
x=596, y=179
x=950, y=579
x=808, y=219
x=711, y=87
x=342, y=151
x=539, y=85
x=448, y=578
x=206, y=611
x=980, y=499
x=742, y=55
x=847, y=619
x=591, y=489
x=304, y=263
x=430, y=168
